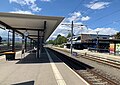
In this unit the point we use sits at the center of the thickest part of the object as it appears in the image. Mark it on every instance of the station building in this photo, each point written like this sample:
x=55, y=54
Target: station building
x=91, y=41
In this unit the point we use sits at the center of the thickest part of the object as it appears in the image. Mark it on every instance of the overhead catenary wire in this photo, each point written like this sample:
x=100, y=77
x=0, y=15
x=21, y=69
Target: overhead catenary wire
x=81, y=8
x=85, y=12
x=90, y=7
x=92, y=12
x=107, y=15
x=114, y=12
x=78, y=6
x=110, y=23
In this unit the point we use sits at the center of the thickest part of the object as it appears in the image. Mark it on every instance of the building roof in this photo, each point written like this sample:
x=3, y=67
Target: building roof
x=31, y=23
x=109, y=40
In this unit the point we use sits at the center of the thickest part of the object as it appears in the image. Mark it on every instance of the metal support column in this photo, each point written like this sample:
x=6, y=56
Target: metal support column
x=42, y=38
x=33, y=43
x=25, y=43
x=38, y=44
x=8, y=39
x=115, y=48
x=30, y=43
x=71, y=38
x=13, y=41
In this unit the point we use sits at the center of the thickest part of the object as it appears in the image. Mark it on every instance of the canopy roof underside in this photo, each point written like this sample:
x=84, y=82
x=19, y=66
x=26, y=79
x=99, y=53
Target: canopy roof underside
x=31, y=23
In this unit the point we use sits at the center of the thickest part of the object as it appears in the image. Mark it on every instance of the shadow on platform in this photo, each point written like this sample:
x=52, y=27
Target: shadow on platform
x=31, y=59
x=25, y=83
x=71, y=62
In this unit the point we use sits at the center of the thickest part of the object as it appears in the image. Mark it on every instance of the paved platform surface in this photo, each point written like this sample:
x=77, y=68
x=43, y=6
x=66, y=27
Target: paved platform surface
x=47, y=70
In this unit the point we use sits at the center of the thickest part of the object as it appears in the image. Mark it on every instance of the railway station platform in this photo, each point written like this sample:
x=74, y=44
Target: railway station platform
x=97, y=54
x=29, y=70
x=103, y=55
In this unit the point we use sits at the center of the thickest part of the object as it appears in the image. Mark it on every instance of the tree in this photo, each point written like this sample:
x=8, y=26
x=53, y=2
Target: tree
x=60, y=40
x=56, y=41
x=117, y=35
x=69, y=35
x=58, y=36
x=50, y=42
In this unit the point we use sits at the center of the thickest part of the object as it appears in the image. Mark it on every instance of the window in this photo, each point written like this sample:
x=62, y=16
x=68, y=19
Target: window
x=104, y=37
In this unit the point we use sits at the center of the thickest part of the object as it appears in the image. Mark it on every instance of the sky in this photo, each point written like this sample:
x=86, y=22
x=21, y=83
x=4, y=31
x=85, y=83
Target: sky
x=94, y=15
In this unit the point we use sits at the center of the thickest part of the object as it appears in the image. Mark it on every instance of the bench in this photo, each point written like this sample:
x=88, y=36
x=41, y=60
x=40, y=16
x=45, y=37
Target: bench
x=10, y=55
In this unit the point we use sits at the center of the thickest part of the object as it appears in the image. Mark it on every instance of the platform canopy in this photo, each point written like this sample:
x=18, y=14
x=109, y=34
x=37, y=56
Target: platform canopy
x=31, y=23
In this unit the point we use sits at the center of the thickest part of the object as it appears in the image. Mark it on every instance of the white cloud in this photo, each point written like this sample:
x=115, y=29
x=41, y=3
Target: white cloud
x=45, y=0
x=3, y=33
x=86, y=18
x=74, y=17
x=97, y=5
x=30, y=3
x=21, y=12
x=102, y=31
x=106, y=31
x=23, y=2
x=84, y=30
x=35, y=8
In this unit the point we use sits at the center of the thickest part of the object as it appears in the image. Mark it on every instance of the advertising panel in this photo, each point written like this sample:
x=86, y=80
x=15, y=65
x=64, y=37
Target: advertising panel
x=118, y=48
x=112, y=48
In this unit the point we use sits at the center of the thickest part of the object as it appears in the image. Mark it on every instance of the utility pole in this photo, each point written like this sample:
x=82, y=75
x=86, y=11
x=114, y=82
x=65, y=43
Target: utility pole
x=72, y=26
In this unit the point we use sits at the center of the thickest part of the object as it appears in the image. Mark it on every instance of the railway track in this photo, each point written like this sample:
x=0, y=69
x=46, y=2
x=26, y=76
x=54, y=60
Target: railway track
x=113, y=63
x=106, y=61
x=85, y=71
x=94, y=78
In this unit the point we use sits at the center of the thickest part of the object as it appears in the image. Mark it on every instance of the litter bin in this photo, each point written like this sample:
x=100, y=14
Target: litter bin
x=74, y=54
x=10, y=55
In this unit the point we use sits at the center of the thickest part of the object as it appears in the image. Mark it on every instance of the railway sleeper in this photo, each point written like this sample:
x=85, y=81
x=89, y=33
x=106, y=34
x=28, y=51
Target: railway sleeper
x=100, y=83
x=105, y=60
x=91, y=77
x=89, y=74
x=95, y=80
x=84, y=71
